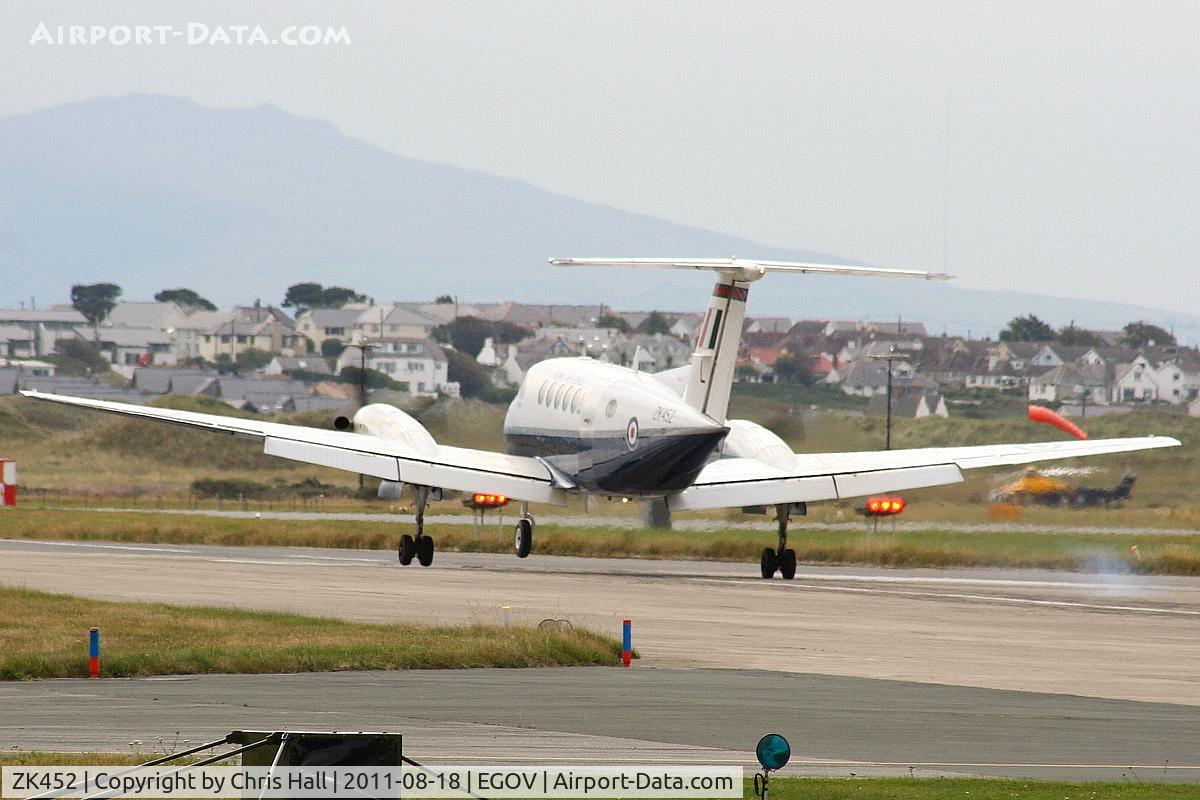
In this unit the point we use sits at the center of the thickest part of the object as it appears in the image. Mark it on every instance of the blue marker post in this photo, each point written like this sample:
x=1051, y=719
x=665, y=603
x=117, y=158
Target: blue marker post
x=627, y=642
x=94, y=653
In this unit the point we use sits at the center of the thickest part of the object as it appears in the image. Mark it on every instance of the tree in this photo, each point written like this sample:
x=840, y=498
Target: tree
x=794, y=368
x=472, y=377
x=185, y=298
x=656, y=322
x=252, y=358
x=444, y=300
x=613, y=321
x=77, y=357
x=468, y=333
x=1073, y=336
x=1143, y=334
x=332, y=348
x=1026, y=329
x=338, y=296
x=373, y=378
x=313, y=295
x=95, y=300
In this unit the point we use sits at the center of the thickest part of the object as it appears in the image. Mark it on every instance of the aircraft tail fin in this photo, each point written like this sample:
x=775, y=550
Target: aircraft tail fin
x=710, y=377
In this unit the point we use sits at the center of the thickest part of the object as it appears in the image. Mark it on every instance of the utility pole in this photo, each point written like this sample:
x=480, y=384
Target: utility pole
x=892, y=355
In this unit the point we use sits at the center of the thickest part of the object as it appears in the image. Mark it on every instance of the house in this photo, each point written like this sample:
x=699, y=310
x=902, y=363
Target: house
x=130, y=348
x=1134, y=382
x=287, y=365
x=263, y=328
x=840, y=327
x=17, y=341
x=768, y=325
x=157, y=380
x=867, y=377
x=319, y=325
x=190, y=332
x=1070, y=382
x=899, y=328
x=418, y=363
x=487, y=354
x=532, y=315
x=394, y=321
x=658, y=351
x=39, y=329
x=159, y=316
x=259, y=395
x=89, y=387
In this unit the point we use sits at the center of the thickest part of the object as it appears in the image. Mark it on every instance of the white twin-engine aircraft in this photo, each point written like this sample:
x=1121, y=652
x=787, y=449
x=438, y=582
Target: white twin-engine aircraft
x=581, y=425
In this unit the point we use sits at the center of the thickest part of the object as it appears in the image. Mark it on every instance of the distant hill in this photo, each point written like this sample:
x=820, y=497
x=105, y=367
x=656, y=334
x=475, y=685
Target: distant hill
x=152, y=192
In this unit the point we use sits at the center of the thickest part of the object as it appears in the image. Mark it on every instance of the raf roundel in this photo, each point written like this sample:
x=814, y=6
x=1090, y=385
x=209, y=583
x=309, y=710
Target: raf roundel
x=631, y=433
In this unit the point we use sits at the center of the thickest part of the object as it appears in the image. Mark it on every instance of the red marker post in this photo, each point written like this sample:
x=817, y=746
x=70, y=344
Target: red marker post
x=94, y=653
x=626, y=642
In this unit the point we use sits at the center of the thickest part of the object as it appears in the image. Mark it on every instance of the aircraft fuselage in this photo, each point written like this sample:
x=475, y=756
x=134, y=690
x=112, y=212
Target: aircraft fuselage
x=610, y=429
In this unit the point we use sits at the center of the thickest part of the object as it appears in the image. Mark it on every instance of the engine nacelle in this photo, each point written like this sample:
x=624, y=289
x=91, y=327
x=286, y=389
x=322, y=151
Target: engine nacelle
x=393, y=425
x=748, y=439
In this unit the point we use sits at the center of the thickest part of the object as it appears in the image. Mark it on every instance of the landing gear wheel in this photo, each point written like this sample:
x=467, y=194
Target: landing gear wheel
x=787, y=564
x=523, y=537
x=769, y=563
x=425, y=551
x=406, y=550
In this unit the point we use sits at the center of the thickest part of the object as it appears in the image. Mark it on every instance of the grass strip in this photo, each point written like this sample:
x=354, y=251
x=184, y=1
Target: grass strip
x=787, y=788
x=967, y=789
x=1086, y=552
x=45, y=636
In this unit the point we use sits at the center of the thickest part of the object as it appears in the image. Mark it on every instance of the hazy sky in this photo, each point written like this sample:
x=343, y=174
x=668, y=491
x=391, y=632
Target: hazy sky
x=1072, y=128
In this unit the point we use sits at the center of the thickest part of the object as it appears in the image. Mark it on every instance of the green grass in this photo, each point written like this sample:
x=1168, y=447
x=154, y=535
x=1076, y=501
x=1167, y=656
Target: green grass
x=967, y=789
x=45, y=636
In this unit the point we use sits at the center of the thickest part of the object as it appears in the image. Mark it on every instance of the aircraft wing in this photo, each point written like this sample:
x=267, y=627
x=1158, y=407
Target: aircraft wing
x=732, y=482
x=454, y=468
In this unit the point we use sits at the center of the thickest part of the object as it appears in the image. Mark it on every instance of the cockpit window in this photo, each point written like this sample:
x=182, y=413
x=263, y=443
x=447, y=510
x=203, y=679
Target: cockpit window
x=542, y=392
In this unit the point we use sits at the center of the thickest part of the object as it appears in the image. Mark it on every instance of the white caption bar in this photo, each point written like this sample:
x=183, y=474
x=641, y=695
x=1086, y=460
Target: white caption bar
x=358, y=782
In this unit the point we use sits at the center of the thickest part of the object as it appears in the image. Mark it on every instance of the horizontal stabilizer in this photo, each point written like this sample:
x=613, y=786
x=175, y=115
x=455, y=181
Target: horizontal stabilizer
x=749, y=269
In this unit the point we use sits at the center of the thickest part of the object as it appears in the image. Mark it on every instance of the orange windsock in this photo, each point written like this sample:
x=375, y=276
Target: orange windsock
x=1040, y=414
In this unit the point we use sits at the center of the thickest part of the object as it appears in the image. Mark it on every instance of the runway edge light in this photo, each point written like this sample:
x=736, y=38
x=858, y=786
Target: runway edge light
x=626, y=642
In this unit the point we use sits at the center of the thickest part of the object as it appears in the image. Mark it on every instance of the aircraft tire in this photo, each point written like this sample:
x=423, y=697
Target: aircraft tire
x=425, y=551
x=769, y=563
x=523, y=537
x=406, y=550
x=787, y=564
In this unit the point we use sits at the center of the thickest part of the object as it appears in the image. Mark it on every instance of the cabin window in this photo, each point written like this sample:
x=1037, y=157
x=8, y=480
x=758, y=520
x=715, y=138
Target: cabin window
x=577, y=402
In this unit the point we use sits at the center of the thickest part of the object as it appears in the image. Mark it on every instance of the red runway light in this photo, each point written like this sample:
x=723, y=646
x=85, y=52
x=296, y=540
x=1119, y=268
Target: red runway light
x=884, y=506
x=486, y=500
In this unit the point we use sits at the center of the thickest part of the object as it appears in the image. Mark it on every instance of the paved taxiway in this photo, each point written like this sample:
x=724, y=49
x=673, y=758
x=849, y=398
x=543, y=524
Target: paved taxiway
x=837, y=725
x=950, y=671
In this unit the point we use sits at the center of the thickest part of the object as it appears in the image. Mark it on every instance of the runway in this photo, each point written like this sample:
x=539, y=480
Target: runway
x=954, y=671
x=1124, y=637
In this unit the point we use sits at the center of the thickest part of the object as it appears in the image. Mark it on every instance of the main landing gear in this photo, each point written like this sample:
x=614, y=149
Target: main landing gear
x=419, y=546
x=783, y=559
x=523, y=536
